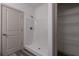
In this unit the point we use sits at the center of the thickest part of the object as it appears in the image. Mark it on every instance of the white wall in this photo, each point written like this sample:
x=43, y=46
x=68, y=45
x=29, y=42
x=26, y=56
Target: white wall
x=41, y=26
x=28, y=11
x=29, y=33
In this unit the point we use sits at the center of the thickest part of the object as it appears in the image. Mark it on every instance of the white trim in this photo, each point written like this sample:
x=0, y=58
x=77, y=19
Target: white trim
x=50, y=46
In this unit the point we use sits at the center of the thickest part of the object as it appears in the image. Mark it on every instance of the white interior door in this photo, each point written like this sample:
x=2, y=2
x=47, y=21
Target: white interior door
x=12, y=30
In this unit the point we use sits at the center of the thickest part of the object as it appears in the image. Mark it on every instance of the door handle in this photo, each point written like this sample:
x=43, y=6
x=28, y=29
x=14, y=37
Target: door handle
x=4, y=34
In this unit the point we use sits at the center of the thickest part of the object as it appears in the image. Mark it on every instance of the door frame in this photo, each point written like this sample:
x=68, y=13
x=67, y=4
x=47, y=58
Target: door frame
x=54, y=29
x=11, y=7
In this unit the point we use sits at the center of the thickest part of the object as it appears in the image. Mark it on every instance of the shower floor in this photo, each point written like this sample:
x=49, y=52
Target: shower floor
x=37, y=49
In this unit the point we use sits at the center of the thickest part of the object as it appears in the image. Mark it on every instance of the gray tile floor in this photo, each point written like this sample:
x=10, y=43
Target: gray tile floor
x=19, y=53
